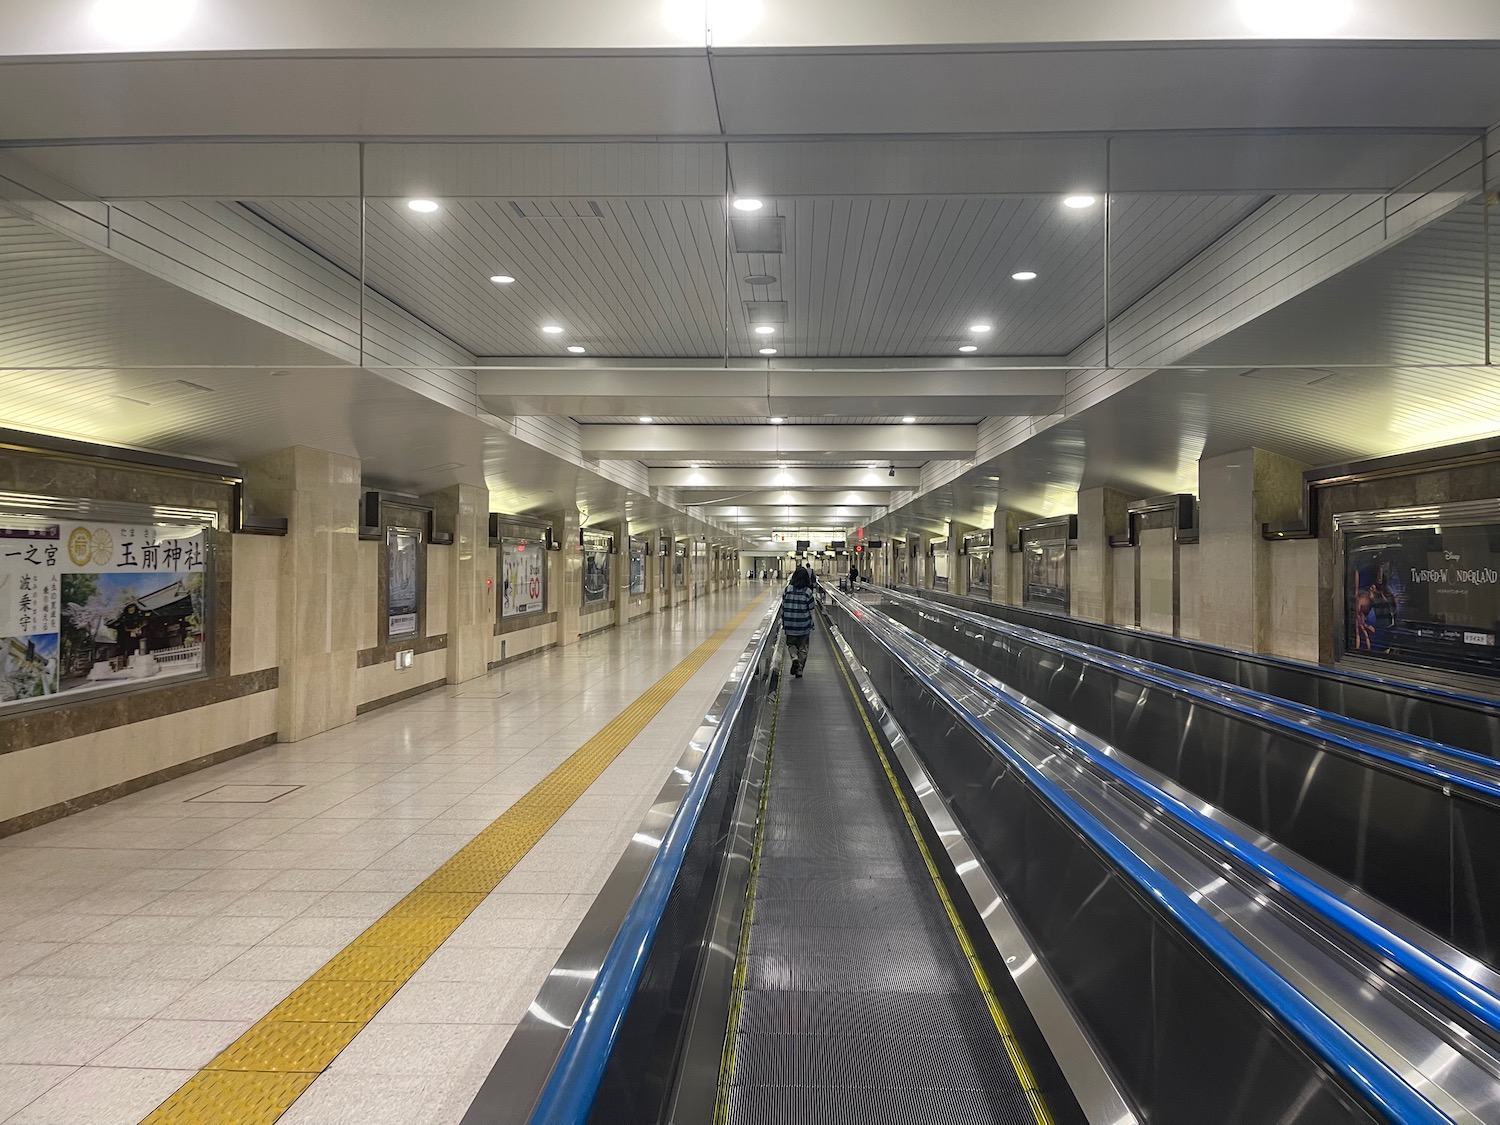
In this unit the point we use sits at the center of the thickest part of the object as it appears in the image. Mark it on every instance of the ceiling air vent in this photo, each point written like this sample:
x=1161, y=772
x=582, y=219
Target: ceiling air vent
x=757, y=234
x=765, y=312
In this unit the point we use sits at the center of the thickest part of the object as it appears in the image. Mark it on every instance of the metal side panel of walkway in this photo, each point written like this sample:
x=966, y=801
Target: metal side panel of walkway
x=859, y=1005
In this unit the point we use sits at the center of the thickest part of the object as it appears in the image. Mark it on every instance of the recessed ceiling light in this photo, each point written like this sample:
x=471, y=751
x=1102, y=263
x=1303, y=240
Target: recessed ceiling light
x=502, y=279
x=764, y=329
x=1023, y=275
x=142, y=21
x=747, y=204
x=969, y=348
x=767, y=351
x=760, y=279
x=647, y=418
x=576, y=349
x=909, y=418
x=552, y=329
x=981, y=327
x=1302, y=19
x=777, y=421
x=1079, y=202
x=423, y=206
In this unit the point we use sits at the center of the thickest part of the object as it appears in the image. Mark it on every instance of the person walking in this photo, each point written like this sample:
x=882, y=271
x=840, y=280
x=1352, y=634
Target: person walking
x=853, y=577
x=797, y=617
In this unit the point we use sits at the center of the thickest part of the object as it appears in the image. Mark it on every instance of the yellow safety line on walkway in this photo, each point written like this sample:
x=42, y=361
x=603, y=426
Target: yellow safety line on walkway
x=1002, y=1024
x=256, y=1078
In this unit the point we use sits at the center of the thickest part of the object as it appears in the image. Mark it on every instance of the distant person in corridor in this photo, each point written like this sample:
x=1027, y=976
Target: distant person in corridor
x=797, y=617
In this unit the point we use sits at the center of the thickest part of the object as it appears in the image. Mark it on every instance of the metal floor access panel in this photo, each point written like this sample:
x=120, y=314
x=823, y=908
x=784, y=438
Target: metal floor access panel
x=858, y=1004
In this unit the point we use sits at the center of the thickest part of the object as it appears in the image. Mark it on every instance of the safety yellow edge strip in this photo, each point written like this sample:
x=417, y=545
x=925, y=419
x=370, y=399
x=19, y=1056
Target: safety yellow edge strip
x=256, y=1078
x=997, y=1013
x=742, y=955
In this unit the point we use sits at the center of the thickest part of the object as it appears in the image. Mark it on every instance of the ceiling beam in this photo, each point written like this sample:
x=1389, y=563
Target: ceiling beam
x=952, y=388
x=691, y=481
x=716, y=500
x=909, y=443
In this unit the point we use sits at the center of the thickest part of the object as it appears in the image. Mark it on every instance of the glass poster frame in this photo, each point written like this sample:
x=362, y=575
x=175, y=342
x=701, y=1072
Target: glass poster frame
x=1420, y=587
x=1045, y=581
x=638, y=548
x=403, y=552
x=99, y=599
x=523, y=577
x=596, y=577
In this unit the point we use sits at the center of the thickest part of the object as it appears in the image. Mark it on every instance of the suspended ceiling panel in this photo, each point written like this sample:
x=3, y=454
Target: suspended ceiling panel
x=881, y=276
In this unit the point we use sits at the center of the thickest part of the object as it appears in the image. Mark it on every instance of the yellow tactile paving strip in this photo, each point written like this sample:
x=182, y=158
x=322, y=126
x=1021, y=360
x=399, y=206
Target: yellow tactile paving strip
x=256, y=1078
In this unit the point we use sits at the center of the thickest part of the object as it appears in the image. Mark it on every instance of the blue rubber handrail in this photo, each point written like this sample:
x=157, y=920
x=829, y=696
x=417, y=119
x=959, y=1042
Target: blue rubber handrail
x=1169, y=679
x=568, y=1097
x=1479, y=702
x=1437, y=976
x=1346, y=1056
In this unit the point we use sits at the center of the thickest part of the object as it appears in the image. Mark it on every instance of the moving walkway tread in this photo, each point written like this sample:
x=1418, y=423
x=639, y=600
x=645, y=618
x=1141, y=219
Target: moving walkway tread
x=858, y=1005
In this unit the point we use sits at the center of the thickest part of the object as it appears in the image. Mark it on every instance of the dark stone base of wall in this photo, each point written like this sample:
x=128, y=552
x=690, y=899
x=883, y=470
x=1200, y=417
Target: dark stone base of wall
x=125, y=788
x=387, y=700
x=521, y=656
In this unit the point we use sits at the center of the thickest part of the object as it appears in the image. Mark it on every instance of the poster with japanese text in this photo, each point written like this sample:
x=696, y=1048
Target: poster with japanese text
x=86, y=605
x=522, y=586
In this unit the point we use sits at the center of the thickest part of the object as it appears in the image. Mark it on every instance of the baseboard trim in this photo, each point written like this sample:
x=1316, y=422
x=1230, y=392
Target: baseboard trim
x=387, y=700
x=123, y=789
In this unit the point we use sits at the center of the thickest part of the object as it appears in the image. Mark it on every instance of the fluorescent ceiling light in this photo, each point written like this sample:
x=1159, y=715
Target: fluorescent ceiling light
x=909, y=418
x=767, y=351
x=777, y=421
x=552, y=329
x=1078, y=202
x=764, y=329
x=981, y=327
x=142, y=21
x=1299, y=19
x=969, y=348
x=422, y=206
x=746, y=204
x=1023, y=275
x=647, y=418
x=502, y=279
x=576, y=349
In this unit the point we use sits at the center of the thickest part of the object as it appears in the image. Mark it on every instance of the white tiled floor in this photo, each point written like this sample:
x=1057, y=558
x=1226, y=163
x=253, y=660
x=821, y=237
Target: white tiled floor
x=139, y=939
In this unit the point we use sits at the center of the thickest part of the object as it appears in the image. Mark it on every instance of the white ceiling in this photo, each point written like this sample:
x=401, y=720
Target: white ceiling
x=915, y=157
x=859, y=276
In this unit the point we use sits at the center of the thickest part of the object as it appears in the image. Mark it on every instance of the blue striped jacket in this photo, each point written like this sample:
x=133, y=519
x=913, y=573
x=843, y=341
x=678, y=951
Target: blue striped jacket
x=796, y=612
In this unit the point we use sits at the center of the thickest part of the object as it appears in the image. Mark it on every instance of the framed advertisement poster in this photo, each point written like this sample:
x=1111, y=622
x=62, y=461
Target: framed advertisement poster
x=638, y=566
x=523, y=577
x=1045, y=574
x=93, y=605
x=1421, y=586
x=403, y=547
x=595, y=568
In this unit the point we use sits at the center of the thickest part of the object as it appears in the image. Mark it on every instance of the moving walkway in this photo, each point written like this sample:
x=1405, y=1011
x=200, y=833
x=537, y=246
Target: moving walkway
x=1406, y=828
x=1445, y=715
x=892, y=891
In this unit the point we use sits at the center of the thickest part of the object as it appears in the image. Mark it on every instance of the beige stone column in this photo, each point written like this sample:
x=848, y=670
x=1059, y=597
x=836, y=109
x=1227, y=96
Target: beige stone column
x=1237, y=493
x=653, y=574
x=1159, y=582
x=465, y=509
x=1101, y=513
x=565, y=575
x=619, y=573
x=316, y=613
x=958, y=565
x=1005, y=568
